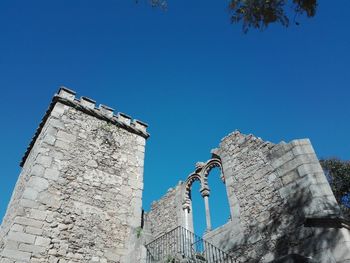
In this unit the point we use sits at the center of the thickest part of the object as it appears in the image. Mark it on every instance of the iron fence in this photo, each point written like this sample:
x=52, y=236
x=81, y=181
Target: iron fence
x=181, y=245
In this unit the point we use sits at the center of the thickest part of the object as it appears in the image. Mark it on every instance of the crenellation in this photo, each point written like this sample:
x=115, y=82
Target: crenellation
x=107, y=111
x=87, y=102
x=64, y=99
x=79, y=195
x=140, y=125
x=123, y=118
x=66, y=93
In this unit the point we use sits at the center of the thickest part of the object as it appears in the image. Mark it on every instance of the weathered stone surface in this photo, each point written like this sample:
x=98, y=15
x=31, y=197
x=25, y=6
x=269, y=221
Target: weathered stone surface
x=31, y=248
x=51, y=174
x=15, y=254
x=79, y=195
x=271, y=190
x=73, y=201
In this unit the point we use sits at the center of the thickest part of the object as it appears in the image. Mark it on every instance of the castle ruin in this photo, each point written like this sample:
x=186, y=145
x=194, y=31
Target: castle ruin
x=79, y=198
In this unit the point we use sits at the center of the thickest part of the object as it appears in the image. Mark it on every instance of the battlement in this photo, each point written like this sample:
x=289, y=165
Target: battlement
x=87, y=105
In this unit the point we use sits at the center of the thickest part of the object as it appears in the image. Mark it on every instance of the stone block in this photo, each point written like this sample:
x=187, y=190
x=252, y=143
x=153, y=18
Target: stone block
x=321, y=206
x=303, y=149
x=92, y=163
x=17, y=228
x=50, y=130
x=28, y=203
x=319, y=190
x=320, y=178
x=124, y=118
x=49, y=199
x=51, y=174
x=95, y=259
x=11, y=244
x=306, y=181
x=42, y=241
x=309, y=168
x=37, y=170
x=15, y=254
x=289, y=190
x=38, y=183
x=66, y=93
x=49, y=139
x=43, y=160
x=38, y=214
x=28, y=222
x=106, y=111
x=66, y=137
x=277, y=162
x=140, y=125
x=55, y=125
x=296, y=162
x=30, y=194
x=21, y=237
x=34, y=231
x=62, y=145
x=58, y=110
x=87, y=102
x=5, y=260
x=290, y=177
x=31, y=248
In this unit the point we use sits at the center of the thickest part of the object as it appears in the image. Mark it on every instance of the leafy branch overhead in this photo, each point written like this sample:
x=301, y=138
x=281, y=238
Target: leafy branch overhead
x=258, y=14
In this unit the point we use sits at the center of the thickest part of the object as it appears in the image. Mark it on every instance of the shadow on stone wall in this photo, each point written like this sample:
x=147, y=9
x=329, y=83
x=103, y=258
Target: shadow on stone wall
x=292, y=230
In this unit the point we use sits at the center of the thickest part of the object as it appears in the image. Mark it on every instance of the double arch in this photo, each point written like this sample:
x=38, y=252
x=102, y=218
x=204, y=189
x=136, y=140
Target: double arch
x=201, y=174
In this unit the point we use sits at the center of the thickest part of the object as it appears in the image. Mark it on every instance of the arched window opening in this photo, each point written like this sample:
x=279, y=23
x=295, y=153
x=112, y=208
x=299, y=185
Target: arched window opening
x=211, y=183
x=198, y=210
x=219, y=205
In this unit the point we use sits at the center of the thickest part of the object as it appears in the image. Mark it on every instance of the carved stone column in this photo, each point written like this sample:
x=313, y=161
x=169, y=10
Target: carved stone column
x=205, y=194
x=186, y=208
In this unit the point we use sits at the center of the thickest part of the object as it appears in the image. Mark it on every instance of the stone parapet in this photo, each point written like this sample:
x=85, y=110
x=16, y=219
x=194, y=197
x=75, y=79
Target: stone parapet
x=88, y=106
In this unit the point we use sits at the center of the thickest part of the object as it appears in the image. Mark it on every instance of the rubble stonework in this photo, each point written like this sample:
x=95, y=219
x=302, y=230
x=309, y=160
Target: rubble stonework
x=281, y=205
x=272, y=190
x=79, y=198
x=166, y=213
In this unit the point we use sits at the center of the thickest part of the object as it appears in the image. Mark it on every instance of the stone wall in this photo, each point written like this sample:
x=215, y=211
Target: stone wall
x=282, y=207
x=166, y=213
x=272, y=190
x=78, y=197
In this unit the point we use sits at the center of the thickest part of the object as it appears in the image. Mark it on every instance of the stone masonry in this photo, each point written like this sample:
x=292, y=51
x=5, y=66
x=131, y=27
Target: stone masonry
x=166, y=213
x=78, y=197
x=282, y=207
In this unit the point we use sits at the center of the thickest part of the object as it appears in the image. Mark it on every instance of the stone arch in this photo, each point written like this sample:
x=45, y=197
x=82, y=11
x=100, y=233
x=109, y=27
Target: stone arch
x=201, y=174
x=209, y=165
x=189, y=181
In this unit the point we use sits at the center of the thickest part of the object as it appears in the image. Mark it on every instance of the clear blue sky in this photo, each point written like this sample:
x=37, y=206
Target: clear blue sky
x=188, y=72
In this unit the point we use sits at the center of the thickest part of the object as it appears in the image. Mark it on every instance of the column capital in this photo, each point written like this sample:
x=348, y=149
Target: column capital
x=186, y=205
x=205, y=191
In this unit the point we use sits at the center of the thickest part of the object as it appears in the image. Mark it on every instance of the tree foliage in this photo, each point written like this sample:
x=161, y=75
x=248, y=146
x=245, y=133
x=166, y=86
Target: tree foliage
x=259, y=14
x=338, y=174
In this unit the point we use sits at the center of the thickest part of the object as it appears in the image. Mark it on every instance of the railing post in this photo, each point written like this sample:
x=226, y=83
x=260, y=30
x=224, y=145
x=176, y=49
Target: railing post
x=184, y=242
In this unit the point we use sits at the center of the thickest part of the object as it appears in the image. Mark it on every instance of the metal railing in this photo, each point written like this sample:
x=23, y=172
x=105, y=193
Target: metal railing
x=181, y=245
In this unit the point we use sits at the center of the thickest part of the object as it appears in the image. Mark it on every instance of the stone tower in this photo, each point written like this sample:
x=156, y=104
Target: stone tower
x=78, y=197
